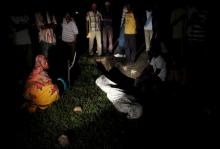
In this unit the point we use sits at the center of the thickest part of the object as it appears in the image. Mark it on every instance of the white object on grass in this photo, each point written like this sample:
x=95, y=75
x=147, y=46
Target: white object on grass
x=123, y=102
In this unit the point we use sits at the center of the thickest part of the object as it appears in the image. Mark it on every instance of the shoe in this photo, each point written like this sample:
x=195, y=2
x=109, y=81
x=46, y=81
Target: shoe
x=118, y=55
x=110, y=52
x=99, y=54
x=91, y=53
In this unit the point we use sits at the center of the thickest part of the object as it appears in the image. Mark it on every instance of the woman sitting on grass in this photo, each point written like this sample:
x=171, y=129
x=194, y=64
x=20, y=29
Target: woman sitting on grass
x=40, y=92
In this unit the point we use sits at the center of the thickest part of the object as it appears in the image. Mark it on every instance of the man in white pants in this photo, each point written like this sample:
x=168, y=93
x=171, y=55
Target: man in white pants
x=93, y=28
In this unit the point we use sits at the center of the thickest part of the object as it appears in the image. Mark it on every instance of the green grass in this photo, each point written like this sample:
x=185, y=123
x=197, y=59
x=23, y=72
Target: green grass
x=99, y=125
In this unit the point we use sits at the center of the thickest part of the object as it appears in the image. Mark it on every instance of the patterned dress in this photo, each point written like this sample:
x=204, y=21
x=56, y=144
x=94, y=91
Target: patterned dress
x=40, y=92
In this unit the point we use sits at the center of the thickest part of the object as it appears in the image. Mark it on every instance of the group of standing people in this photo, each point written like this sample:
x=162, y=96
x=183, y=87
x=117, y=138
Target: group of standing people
x=99, y=26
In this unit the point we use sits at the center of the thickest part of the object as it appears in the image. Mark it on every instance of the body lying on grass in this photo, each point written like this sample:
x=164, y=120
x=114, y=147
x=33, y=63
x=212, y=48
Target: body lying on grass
x=120, y=91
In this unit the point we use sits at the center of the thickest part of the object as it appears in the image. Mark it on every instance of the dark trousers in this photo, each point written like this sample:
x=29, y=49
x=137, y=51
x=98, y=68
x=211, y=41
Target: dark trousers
x=71, y=52
x=45, y=47
x=130, y=47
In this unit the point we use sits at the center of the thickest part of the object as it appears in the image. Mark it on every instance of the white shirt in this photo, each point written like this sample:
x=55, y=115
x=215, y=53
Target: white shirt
x=159, y=63
x=148, y=24
x=69, y=31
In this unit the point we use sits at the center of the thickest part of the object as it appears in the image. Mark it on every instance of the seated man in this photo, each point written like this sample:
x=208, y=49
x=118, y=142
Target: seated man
x=40, y=92
x=155, y=72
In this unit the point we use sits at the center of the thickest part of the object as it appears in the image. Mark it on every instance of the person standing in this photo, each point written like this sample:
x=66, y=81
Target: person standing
x=107, y=29
x=93, y=28
x=130, y=35
x=46, y=24
x=69, y=33
x=119, y=52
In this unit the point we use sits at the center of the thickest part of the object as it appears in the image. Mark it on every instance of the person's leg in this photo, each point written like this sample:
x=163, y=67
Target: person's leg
x=91, y=42
x=105, y=32
x=121, y=42
x=147, y=39
x=43, y=47
x=127, y=47
x=150, y=34
x=133, y=48
x=72, y=50
x=110, y=38
x=49, y=46
x=99, y=42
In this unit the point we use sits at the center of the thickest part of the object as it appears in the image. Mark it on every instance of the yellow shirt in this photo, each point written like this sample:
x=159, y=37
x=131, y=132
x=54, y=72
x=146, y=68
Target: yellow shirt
x=130, y=24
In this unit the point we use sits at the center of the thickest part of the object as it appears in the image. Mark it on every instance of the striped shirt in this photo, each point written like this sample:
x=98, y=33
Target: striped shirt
x=94, y=20
x=197, y=29
x=46, y=35
x=69, y=31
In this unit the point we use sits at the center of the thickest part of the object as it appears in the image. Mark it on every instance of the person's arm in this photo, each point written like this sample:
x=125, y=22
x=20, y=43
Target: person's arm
x=52, y=24
x=137, y=23
x=101, y=21
x=160, y=64
x=87, y=23
x=87, y=28
x=75, y=29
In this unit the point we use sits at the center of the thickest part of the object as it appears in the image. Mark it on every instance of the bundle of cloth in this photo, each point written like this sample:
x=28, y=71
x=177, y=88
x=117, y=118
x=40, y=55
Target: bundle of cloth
x=118, y=88
x=40, y=92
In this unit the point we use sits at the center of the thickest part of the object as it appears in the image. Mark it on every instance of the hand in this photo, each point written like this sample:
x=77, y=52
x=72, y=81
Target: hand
x=88, y=35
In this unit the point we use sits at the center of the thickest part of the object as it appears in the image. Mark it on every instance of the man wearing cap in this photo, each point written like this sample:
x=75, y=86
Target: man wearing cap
x=93, y=28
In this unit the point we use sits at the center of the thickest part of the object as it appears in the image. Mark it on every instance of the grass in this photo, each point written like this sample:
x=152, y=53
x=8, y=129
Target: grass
x=99, y=125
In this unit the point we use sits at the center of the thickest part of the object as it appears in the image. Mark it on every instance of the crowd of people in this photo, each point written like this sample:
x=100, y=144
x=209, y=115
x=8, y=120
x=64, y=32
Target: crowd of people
x=37, y=35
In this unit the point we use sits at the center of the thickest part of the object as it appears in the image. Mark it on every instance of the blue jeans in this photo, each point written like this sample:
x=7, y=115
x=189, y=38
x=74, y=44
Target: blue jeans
x=121, y=42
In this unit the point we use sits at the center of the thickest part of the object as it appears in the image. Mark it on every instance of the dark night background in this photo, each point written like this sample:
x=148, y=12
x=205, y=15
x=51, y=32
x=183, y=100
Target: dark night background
x=202, y=88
